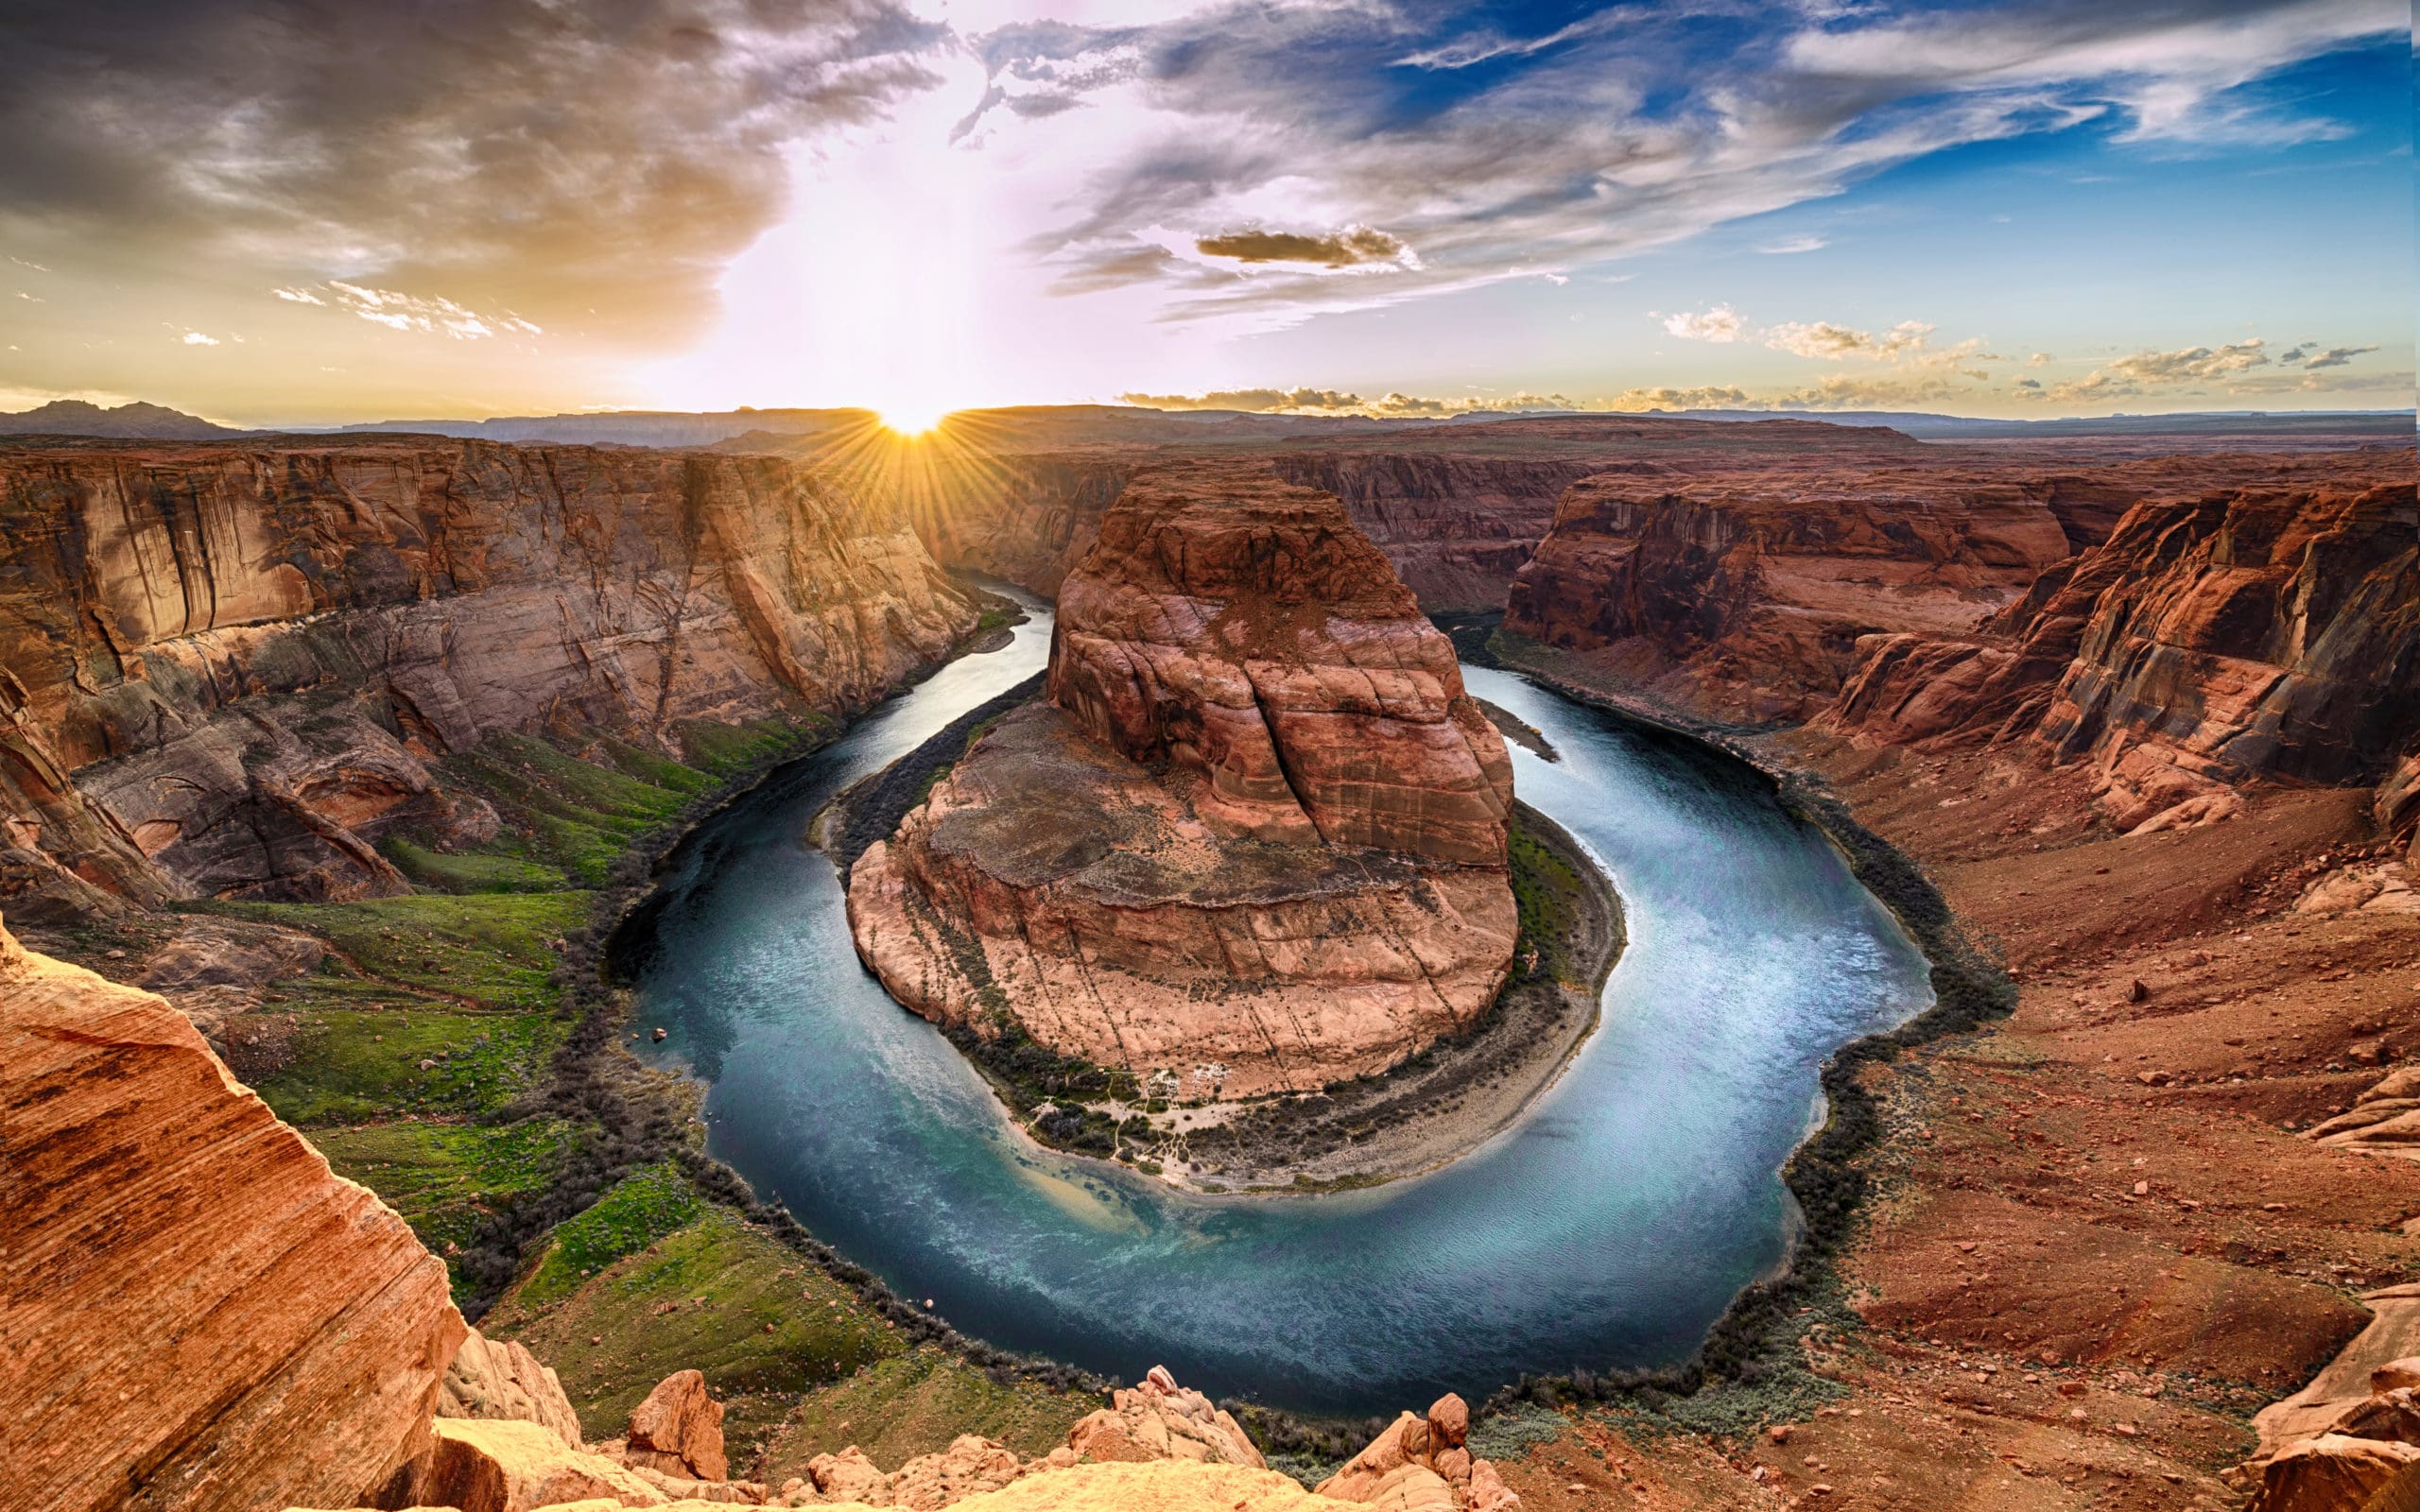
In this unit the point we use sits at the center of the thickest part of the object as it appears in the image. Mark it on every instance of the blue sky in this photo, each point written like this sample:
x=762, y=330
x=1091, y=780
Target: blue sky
x=1988, y=207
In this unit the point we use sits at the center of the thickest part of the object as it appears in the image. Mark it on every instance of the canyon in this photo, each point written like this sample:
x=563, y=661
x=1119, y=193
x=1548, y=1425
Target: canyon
x=2149, y=718
x=231, y=670
x=1253, y=841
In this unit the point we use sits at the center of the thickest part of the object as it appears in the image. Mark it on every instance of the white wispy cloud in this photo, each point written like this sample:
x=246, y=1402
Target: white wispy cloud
x=1720, y=323
x=195, y=338
x=1791, y=246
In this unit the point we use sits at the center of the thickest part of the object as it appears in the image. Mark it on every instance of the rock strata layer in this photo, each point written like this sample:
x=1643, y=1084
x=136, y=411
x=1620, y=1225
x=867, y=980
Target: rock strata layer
x=2244, y=634
x=200, y=1316
x=1255, y=841
x=230, y=669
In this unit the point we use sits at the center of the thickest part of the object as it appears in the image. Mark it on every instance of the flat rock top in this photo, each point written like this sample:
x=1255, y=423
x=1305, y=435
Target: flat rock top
x=1036, y=803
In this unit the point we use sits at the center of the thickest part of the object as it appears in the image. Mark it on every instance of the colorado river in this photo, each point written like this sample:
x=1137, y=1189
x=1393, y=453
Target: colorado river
x=1609, y=1226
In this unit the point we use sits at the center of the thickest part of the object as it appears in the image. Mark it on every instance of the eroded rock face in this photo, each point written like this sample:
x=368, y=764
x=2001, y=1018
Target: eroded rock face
x=1243, y=629
x=2270, y=632
x=1255, y=842
x=500, y=1379
x=227, y=669
x=200, y=1315
x=1160, y=1420
x=1423, y=1465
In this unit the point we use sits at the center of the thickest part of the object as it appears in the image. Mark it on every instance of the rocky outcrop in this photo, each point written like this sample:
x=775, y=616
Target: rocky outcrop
x=1423, y=1463
x=499, y=1380
x=228, y=668
x=1160, y=1420
x=198, y=1316
x=1255, y=840
x=678, y=1429
x=510, y=1466
x=1244, y=631
x=2255, y=633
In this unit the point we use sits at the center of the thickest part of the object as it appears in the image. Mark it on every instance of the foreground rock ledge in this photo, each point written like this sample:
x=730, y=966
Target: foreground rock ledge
x=191, y=1293
x=1254, y=843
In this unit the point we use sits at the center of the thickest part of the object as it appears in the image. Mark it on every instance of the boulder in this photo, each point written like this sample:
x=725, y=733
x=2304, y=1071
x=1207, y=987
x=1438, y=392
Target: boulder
x=202, y=1314
x=1397, y=1467
x=849, y=1476
x=499, y=1379
x=506, y=1465
x=1160, y=1420
x=678, y=1429
x=2331, y=1473
x=971, y=1465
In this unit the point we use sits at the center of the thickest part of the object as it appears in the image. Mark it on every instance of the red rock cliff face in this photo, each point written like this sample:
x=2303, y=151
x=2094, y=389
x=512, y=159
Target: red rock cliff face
x=198, y=1315
x=2246, y=633
x=1245, y=629
x=1255, y=840
x=1742, y=586
x=1746, y=594
x=224, y=667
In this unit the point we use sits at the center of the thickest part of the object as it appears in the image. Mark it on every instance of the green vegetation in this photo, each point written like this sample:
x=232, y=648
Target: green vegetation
x=634, y=1214
x=1551, y=899
x=349, y=1066
x=915, y=1403
x=495, y=950
x=442, y=1178
x=717, y=1296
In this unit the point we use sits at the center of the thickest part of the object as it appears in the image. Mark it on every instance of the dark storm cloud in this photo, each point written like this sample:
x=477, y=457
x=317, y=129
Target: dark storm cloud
x=547, y=156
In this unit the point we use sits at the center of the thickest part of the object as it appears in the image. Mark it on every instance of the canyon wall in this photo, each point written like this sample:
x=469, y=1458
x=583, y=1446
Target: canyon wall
x=1255, y=841
x=1457, y=514
x=1743, y=590
x=226, y=668
x=2254, y=632
x=198, y=1316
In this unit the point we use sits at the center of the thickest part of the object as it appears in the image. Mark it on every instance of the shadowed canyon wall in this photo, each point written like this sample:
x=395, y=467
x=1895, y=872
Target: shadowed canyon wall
x=226, y=668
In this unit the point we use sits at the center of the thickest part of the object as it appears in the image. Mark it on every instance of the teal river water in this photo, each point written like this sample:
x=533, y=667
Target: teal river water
x=1609, y=1226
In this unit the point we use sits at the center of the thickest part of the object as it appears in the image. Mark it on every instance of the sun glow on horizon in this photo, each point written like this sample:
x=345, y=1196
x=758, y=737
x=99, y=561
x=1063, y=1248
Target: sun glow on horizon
x=910, y=420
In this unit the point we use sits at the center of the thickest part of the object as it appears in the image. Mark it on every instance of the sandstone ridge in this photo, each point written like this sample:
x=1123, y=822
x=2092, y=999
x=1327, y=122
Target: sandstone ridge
x=230, y=669
x=1255, y=841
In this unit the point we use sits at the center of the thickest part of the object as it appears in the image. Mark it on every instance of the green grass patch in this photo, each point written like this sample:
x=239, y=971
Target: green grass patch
x=915, y=1403
x=701, y=1298
x=442, y=1178
x=496, y=949
x=634, y=1214
x=355, y=1064
x=1551, y=899
x=462, y=871
x=725, y=750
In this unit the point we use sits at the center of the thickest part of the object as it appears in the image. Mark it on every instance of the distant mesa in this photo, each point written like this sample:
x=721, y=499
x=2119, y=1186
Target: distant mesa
x=1253, y=841
x=73, y=417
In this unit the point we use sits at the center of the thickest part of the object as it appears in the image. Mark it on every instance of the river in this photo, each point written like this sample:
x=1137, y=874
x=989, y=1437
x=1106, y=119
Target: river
x=1610, y=1228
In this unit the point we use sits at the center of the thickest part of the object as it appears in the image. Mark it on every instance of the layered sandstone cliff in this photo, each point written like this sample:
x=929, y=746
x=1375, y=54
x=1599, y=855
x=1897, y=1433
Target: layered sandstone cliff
x=226, y=668
x=198, y=1315
x=1255, y=839
x=1744, y=591
x=2246, y=633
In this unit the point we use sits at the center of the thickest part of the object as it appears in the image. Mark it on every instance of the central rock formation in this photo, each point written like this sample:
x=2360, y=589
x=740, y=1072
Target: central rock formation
x=1255, y=839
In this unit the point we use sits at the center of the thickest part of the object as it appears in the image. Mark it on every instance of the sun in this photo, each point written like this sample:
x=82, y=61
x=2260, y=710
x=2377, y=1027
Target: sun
x=910, y=420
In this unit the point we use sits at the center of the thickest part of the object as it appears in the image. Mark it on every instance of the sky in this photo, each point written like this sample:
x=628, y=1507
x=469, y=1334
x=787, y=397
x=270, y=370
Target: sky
x=275, y=212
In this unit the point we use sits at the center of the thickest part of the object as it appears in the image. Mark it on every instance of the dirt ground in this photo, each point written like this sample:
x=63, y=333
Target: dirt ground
x=2099, y=1244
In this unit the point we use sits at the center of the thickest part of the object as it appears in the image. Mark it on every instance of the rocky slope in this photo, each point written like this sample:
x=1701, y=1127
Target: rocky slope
x=1743, y=591
x=1255, y=840
x=228, y=669
x=2241, y=634
x=199, y=1315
